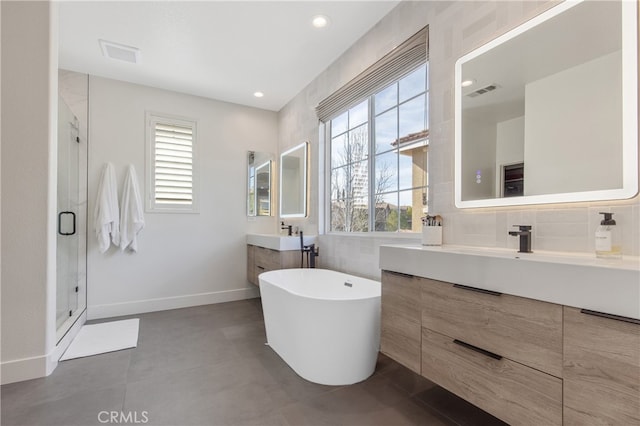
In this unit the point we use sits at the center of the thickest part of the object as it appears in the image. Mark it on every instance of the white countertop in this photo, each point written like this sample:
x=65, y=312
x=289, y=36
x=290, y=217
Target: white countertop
x=279, y=242
x=578, y=280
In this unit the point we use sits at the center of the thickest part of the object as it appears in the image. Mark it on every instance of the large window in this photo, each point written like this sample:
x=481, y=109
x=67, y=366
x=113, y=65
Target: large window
x=378, y=159
x=170, y=165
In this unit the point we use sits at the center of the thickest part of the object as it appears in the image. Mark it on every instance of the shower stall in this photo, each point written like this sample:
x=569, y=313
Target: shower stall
x=71, y=259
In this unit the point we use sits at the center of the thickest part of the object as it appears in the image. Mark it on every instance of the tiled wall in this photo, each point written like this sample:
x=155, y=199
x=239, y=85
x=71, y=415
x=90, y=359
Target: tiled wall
x=455, y=28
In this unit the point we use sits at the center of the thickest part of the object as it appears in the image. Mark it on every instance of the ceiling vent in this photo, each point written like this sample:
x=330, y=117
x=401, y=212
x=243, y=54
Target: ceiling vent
x=120, y=52
x=483, y=90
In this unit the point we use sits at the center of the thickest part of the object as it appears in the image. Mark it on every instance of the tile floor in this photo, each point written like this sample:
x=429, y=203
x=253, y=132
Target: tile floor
x=208, y=365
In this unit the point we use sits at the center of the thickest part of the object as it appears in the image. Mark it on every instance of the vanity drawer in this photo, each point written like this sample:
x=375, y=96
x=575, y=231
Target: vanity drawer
x=400, y=339
x=510, y=391
x=400, y=329
x=601, y=369
x=401, y=293
x=524, y=330
x=266, y=259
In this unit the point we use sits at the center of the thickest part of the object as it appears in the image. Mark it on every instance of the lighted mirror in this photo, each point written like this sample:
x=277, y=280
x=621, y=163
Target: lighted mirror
x=259, y=183
x=547, y=113
x=293, y=182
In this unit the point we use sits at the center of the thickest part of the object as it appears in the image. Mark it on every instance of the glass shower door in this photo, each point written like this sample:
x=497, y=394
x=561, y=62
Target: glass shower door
x=69, y=234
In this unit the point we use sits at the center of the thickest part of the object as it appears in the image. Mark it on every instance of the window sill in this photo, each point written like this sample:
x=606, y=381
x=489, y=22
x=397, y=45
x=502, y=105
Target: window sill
x=385, y=235
x=172, y=211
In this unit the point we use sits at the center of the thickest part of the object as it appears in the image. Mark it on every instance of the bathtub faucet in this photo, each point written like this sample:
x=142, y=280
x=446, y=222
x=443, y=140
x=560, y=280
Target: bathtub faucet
x=312, y=252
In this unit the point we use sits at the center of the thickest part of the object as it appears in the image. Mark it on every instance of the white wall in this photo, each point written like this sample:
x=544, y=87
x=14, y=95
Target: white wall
x=455, y=28
x=29, y=110
x=0, y=182
x=479, y=154
x=595, y=132
x=298, y=122
x=183, y=259
x=509, y=146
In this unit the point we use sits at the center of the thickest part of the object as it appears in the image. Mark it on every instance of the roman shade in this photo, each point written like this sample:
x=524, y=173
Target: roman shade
x=400, y=61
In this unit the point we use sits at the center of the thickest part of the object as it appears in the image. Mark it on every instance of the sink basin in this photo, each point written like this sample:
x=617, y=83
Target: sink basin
x=544, y=256
x=579, y=280
x=279, y=242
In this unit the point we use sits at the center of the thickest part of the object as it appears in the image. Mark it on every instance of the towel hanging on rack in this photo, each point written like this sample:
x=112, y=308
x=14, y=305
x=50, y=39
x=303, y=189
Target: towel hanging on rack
x=106, y=214
x=131, y=213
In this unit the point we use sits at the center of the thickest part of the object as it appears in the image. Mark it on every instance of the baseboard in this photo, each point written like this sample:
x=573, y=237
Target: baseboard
x=39, y=366
x=18, y=370
x=166, y=303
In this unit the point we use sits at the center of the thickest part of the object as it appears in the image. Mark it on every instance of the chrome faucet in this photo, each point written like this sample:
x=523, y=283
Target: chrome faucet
x=525, y=238
x=287, y=227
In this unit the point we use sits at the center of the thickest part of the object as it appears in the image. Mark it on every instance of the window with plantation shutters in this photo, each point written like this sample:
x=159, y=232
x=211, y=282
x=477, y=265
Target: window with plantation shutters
x=171, y=164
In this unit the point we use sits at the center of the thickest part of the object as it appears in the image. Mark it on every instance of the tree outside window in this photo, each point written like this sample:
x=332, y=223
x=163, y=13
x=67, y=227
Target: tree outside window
x=378, y=159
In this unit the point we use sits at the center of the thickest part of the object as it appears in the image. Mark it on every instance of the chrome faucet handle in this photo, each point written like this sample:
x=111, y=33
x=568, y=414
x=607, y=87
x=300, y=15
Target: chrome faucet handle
x=523, y=227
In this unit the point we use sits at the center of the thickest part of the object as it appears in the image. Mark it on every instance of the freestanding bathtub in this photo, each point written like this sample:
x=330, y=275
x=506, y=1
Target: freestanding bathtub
x=324, y=324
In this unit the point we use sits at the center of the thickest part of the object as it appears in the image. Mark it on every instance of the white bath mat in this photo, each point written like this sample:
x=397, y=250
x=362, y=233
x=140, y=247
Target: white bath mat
x=102, y=338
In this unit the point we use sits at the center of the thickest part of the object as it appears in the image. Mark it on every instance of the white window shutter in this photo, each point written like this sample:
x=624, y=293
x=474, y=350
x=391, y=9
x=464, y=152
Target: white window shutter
x=171, y=172
x=173, y=164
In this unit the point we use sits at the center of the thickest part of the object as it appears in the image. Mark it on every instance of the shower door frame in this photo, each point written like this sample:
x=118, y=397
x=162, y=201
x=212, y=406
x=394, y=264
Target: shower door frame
x=71, y=137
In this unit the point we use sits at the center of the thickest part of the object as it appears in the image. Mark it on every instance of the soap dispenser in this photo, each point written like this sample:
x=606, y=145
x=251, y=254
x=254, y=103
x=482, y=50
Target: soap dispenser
x=608, y=238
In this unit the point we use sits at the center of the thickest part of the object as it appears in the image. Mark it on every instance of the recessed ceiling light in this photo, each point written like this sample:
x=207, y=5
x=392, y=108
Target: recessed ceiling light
x=258, y=94
x=320, y=21
x=119, y=51
x=467, y=83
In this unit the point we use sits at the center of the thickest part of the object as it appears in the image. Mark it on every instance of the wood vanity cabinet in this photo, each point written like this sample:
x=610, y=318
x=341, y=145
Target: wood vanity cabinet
x=251, y=264
x=601, y=368
x=502, y=353
x=262, y=259
x=524, y=330
x=400, y=317
x=507, y=389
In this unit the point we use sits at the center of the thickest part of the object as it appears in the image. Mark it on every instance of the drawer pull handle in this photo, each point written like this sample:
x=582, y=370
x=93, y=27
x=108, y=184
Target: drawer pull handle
x=260, y=267
x=610, y=316
x=400, y=274
x=477, y=349
x=478, y=290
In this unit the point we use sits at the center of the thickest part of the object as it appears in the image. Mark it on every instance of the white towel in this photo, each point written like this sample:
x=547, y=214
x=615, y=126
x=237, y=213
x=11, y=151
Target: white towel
x=106, y=215
x=132, y=213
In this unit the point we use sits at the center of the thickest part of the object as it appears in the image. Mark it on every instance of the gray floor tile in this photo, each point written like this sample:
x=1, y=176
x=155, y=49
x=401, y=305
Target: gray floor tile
x=70, y=378
x=406, y=379
x=208, y=365
x=82, y=409
x=383, y=389
x=188, y=351
x=175, y=398
x=412, y=412
x=457, y=409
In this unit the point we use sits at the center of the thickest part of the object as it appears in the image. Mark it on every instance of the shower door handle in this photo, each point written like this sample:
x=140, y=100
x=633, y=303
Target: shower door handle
x=73, y=217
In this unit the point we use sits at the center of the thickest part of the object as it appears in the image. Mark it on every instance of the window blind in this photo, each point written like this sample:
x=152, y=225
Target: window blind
x=400, y=61
x=173, y=164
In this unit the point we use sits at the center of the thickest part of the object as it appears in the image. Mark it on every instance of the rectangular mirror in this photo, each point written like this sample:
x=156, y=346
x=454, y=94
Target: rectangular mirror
x=259, y=183
x=293, y=182
x=547, y=113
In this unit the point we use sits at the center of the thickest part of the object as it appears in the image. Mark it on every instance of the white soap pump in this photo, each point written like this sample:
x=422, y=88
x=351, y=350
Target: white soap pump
x=608, y=238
